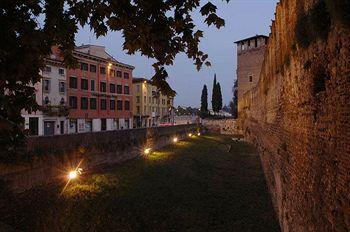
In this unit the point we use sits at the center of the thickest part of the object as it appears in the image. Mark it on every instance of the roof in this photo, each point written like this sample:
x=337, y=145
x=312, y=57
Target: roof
x=140, y=79
x=107, y=58
x=253, y=37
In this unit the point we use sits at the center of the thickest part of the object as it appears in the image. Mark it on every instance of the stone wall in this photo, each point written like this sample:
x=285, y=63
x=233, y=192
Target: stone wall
x=222, y=126
x=298, y=117
x=56, y=155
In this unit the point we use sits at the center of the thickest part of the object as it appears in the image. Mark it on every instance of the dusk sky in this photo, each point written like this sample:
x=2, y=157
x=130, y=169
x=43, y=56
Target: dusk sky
x=244, y=18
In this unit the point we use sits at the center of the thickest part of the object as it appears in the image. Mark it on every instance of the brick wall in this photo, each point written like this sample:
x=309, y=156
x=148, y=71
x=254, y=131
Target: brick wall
x=301, y=130
x=56, y=155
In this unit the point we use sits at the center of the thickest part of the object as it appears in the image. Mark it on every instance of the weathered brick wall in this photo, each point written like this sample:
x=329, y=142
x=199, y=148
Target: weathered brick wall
x=56, y=155
x=222, y=126
x=301, y=130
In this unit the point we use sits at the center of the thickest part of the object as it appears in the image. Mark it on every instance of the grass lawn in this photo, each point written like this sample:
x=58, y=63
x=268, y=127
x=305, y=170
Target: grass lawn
x=194, y=185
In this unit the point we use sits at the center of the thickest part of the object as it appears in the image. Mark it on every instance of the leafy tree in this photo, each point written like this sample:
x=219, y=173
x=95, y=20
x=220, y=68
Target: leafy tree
x=158, y=29
x=214, y=102
x=204, y=101
x=219, y=97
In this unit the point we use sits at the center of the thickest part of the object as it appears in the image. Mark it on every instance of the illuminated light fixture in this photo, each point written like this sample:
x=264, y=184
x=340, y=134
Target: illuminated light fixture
x=199, y=134
x=190, y=135
x=175, y=140
x=109, y=65
x=147, y=151
x=145, y=82
x=74, y=174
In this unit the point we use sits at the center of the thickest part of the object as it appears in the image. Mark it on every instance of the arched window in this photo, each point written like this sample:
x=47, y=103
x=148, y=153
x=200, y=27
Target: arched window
x=62, y=101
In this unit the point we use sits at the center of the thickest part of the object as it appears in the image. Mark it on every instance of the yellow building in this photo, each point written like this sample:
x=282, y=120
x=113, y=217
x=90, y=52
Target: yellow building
x=151, y=107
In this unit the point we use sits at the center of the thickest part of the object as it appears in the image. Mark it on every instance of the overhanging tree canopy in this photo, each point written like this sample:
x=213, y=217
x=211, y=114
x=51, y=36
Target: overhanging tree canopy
x=158, y=29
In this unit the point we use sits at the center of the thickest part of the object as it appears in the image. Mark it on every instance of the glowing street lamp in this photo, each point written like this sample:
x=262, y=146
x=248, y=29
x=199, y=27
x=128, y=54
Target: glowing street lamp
x=110, y=65
x=175, y=140
x=190, y=135
x=199, y=134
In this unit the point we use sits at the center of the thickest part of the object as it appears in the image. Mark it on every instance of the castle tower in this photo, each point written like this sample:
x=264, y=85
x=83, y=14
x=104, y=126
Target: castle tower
x=250, y=56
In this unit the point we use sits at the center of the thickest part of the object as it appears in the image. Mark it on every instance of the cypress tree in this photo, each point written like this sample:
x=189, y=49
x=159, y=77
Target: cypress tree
x=218, y=97
x=214, y=101
x=204, y=101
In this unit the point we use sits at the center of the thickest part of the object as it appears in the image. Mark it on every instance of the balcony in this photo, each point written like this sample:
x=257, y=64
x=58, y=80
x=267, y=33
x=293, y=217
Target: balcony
x=59, y=111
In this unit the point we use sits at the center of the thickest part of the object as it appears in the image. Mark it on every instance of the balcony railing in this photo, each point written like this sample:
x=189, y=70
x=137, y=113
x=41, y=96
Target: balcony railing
x=55, y=110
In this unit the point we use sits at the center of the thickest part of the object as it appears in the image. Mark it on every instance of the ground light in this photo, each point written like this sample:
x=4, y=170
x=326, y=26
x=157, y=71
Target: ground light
x=147, y=151
x=175, y=140
x=74, y=174
x=199, y=134
x=190, y=135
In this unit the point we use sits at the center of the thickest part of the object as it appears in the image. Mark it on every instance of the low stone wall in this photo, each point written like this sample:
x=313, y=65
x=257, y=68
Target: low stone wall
x=56, y=155
x=222, y=126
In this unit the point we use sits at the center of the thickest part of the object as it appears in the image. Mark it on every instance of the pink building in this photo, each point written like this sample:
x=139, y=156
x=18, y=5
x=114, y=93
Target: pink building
x=99, y=92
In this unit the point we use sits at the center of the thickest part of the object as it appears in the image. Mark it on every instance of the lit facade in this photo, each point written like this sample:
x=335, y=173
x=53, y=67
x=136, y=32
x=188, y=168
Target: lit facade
x=151, y=107
x=99, y=92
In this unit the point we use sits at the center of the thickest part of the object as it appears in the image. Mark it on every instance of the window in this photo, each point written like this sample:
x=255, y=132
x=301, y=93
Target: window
x=93, y=104
x=119, y=89
x=119, y=74
x=250, y=78
x=103, y=86
x=266, y=40
x=145, y=99
x=84, y=84
x=112, y=73
x=103, y=104
x=46, y=100
x=127, y=105
x=163, y=101
x=47, y=69
x=46, y=85
x=73, y=83
x=62, y=101
x=61, y=71
x=256, y=42
x=126, y=90
x=138, y=99
x=62, y=87
x=138, y=109
x=126, y=75
x=84, y=66
x=102, y=70
x=92, y=85
x=103, y=124
x=112, y=104
x=248, y=43
x=149, y=100
x=112, y=88
x=137, y=88
x=119, y=105
x=73, y=102
x=84, y=103
x=92, y=68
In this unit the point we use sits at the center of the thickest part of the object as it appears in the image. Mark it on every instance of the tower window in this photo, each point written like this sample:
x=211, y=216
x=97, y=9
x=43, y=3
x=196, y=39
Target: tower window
x=250, y=78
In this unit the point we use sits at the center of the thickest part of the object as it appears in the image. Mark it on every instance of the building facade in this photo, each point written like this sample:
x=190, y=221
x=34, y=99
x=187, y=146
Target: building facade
x=151, y=107
x=99, y=92
x=250, y=56
x=51, y=96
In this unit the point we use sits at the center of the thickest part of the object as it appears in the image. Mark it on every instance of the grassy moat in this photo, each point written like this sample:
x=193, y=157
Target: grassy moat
x=194, y=185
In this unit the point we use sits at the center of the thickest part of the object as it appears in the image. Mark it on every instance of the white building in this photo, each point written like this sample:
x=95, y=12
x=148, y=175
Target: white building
x=50, y=95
